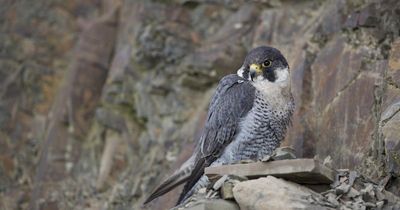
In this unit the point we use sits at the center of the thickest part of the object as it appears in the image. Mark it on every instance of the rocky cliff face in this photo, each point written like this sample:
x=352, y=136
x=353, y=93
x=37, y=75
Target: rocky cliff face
x=100, y=100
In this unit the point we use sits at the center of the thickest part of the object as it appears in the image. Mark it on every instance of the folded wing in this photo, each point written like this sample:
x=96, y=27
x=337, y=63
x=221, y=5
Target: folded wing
x=231, y=102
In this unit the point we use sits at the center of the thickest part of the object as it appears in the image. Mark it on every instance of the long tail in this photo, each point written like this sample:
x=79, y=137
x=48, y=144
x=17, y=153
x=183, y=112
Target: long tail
x=179, y=177
x=196, y=173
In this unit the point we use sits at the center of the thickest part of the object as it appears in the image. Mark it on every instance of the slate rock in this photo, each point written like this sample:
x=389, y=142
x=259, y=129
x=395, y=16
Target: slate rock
x=391, y=133
x=284, y=153
x=212, y=204
x=305, y=171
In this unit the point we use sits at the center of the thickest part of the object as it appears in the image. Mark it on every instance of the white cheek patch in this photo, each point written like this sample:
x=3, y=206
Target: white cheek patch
x=282, y=75
x=240, y=72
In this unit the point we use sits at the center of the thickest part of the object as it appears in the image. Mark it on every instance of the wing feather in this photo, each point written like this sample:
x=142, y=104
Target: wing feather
x=232, y=100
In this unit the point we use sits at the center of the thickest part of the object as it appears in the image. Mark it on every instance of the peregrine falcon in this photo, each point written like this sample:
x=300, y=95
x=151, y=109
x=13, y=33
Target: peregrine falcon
x=247, y=118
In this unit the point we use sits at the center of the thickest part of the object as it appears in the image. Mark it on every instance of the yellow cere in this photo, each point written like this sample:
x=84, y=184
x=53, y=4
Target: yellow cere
x=256, y=67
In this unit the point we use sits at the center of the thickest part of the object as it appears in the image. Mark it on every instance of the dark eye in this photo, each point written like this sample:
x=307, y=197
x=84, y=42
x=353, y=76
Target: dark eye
x=267, y=63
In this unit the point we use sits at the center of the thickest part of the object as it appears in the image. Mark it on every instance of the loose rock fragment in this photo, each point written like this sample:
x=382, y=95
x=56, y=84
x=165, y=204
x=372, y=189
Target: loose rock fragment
x=227, y=190
x=218, y=184
x=284, y=153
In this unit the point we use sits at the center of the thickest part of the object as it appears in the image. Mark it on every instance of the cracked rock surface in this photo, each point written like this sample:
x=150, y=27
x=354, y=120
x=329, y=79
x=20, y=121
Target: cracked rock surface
x=100, y=100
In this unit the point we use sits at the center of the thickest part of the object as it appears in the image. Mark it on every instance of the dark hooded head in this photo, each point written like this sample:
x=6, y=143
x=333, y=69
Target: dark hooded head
x=264, y=63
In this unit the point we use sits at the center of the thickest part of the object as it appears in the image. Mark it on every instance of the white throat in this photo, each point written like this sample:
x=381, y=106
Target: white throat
x=282, y=75
x=275, y=92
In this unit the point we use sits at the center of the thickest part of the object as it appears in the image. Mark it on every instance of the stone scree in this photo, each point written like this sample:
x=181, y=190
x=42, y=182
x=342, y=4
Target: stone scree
x=289, y=184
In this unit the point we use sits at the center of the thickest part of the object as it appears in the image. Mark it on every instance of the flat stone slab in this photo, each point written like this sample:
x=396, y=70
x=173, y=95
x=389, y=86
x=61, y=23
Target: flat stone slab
x=216, y=204
x=302, y=171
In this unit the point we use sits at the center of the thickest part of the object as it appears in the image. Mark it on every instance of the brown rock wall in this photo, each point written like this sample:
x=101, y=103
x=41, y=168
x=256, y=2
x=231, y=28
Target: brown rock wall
x=161, y=73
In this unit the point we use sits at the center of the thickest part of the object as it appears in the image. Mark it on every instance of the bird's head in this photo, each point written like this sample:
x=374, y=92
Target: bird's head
x=265, y=64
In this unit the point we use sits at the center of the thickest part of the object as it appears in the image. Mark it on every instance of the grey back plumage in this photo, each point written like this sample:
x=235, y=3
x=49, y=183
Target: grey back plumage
x=232, y=101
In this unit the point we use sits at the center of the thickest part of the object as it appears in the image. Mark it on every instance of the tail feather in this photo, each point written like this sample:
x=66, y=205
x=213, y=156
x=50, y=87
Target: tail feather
x=179, y=177
x=196, y=173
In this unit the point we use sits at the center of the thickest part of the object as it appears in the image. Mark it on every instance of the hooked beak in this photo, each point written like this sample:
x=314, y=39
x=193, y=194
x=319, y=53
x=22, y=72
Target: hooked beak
x=255, y=70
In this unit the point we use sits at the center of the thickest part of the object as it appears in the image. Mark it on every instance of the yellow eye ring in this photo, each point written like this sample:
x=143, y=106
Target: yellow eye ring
x=266, y=63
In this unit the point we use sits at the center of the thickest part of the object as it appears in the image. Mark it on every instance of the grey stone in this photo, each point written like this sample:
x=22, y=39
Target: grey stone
x=227, y=190
x=391, y=132
x=218, y=184
x=271, y=193
x=212, y=204
x=284, y=153
x=308, y=171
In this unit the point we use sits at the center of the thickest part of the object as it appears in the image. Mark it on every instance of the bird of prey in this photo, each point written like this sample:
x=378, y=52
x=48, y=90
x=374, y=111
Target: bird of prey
x=247, y=118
